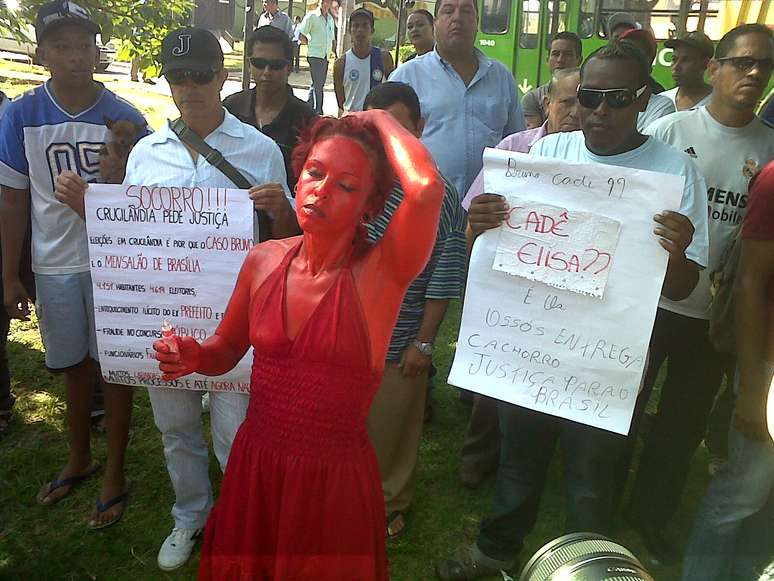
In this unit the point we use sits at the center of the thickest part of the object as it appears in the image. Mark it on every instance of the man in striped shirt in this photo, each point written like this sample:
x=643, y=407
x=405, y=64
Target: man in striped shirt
x=395, y=420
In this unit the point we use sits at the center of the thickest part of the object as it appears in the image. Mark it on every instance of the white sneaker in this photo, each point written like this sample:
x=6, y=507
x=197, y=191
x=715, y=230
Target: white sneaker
x=177, y=548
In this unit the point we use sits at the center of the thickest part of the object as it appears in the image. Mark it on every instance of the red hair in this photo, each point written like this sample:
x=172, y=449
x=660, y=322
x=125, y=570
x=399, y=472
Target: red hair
x=365, y=133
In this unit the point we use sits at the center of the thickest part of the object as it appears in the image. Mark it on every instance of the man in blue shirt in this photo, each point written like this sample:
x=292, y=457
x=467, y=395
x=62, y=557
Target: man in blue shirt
x=468, y=100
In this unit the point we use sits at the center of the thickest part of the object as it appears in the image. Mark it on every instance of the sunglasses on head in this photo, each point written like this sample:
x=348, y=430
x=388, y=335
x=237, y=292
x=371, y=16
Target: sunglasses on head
x=180, y=76
x=747, y=63
x=615, y=98
x=273, y=64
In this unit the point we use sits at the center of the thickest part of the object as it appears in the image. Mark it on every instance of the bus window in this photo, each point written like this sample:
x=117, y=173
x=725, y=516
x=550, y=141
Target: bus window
x=713, y=17
x=530, y=23
x=586, y=18
x=557, y=17
x=660, y=16
x=495, y=16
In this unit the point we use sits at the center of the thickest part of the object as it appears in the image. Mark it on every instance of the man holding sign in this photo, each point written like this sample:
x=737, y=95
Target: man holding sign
x=192, y=63
x=612, y=92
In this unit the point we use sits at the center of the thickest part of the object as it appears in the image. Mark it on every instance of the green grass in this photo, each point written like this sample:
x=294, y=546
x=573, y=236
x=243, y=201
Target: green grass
x=53, y=543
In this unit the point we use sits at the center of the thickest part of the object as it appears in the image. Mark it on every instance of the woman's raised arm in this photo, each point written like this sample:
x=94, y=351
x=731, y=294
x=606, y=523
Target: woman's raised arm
x=408, y=241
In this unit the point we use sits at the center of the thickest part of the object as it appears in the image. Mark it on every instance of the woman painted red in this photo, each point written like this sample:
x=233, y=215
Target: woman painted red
x=301, y=497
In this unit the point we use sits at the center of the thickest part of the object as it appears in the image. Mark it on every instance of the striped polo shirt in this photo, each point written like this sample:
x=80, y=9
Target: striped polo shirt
x=442, y=278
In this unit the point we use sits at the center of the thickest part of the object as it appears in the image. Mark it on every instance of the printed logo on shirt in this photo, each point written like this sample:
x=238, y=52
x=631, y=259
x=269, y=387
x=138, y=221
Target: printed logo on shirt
x=354, y=75
x=692, y=152
x=377, y=75
x=726, y=206
x=750, y=168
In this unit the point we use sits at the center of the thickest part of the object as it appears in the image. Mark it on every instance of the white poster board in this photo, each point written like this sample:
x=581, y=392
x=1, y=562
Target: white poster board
x=161, y=253
x=561, y=299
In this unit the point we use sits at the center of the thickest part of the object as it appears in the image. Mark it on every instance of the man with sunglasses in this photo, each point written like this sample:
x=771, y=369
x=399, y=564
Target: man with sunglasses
x=729, y=144
x=270, y=105
x=612, y=91
x=192, y=64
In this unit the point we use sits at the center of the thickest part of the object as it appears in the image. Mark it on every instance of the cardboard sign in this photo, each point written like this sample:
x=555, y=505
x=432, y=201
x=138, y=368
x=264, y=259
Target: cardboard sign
x=571, y=338
x=161, y=253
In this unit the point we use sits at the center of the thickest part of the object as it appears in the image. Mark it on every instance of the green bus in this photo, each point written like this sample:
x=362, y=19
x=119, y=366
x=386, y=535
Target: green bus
x=518, y=32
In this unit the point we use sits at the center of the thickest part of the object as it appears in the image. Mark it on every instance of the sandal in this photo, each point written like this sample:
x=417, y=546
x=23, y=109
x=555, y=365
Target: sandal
x=396, y=524
x=71, y=482
x=105, y=506
x=5, y=421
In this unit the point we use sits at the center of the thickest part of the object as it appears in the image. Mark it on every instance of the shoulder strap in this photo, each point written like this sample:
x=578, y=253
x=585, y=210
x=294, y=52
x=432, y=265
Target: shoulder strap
x=216, y=159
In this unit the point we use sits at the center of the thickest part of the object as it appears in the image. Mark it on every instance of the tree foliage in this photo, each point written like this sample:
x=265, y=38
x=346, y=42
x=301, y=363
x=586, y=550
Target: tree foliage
x=142, y=24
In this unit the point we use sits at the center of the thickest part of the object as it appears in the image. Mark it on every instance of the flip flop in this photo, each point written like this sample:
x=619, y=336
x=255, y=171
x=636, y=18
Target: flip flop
x=105, y=506
x=71, y=481
x=396, y=524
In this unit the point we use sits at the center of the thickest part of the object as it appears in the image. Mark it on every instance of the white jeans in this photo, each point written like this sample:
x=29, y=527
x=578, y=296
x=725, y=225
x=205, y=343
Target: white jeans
x=178, y=415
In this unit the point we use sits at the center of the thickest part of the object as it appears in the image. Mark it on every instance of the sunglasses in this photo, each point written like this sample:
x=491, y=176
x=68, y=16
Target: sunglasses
x=273, y=64
x=615, y=98
x=746, y=63
x=180, y=76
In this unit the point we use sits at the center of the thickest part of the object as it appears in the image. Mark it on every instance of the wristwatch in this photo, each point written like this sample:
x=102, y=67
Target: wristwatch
x=425, y=349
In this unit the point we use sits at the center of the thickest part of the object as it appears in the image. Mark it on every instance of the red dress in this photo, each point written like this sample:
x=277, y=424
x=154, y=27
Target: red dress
x=301, y=498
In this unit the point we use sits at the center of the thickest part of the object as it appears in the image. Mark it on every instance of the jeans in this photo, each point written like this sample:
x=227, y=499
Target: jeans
x=590, y=456
x=733, y=535
x=318, y=68
x=178, y=416
x=694, y=374
x=25, y=275
x=296, y=60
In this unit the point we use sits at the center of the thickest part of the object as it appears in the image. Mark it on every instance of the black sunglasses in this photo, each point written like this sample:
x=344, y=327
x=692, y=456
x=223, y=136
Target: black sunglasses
x=180, y=76
x=273, y=64
x=615, y=98
x=746, y=63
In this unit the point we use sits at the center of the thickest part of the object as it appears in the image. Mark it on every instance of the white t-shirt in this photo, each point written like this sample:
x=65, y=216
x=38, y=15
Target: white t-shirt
x=728, y=157
x=658, y=107
x=672, y=94
x=652, y=155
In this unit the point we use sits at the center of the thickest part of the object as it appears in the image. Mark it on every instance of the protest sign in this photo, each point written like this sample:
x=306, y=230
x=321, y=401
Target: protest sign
x=164, y=253
x=561, y=299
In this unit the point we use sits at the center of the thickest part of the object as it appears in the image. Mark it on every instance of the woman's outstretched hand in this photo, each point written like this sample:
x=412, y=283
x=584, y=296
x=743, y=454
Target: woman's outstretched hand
x=180, y=361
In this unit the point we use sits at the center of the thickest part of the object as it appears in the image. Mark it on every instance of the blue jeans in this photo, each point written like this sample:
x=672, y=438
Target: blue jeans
x=733, y=536
x=318, y=68
x=590, y=457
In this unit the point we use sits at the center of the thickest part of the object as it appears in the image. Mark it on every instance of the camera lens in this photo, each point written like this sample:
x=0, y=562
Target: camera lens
x=584, y=557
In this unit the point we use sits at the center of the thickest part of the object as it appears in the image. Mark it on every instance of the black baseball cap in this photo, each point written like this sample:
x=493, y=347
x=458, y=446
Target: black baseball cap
x=695, y=39
x=362, y=13
x=56, y=14
x=190, y=49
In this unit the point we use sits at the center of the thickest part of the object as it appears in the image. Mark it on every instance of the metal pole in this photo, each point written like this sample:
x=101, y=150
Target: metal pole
x=397, y=34
x=249, y=15
x=290, y=10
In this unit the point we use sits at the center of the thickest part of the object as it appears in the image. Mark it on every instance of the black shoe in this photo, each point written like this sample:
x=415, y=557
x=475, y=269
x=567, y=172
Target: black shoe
x=661, y=548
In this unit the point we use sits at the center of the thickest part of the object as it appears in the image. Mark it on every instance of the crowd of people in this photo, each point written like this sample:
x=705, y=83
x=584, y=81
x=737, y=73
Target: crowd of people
x=365, y=222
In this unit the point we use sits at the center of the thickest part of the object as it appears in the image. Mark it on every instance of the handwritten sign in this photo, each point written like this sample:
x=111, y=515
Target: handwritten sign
x=573, y=355
x=565, y=249
x=164, y=253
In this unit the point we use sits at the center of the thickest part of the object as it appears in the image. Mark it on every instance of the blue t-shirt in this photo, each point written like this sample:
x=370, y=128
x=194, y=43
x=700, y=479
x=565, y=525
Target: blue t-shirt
x=38, y=140
x=653, y=155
